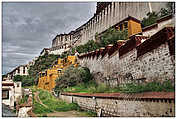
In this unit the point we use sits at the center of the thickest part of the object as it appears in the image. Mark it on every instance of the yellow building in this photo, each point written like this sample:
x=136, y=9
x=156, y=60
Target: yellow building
x=132, y=24
x=47, y=78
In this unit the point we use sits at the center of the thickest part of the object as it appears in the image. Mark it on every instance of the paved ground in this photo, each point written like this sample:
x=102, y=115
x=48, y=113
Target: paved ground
x=7, y=112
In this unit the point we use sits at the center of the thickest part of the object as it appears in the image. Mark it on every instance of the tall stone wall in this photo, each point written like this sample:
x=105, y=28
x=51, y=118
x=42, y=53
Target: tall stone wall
x=110, y=15
x=124, y=106
x=150, y=60
x=113, y=13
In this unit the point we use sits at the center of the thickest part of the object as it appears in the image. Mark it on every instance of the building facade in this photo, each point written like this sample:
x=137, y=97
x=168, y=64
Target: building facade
x=11, y=92
x=61, y=43
x=44, y=51
x=20, y=70
x=47, y=78
x=107, y=15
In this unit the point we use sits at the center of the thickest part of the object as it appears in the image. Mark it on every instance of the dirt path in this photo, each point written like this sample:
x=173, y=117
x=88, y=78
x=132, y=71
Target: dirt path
x=36, y=97
x=72, y=113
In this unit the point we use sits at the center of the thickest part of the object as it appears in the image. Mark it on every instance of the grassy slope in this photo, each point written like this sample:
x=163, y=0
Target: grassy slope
x=55, y=104
x=128, y=88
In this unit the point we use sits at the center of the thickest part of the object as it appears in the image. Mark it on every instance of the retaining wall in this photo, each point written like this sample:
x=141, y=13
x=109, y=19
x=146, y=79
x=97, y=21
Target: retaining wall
x=135, y=60
x=156, y=104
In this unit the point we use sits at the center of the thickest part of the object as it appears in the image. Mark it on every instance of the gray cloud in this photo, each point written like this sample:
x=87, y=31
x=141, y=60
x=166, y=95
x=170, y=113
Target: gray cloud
x=29, y=27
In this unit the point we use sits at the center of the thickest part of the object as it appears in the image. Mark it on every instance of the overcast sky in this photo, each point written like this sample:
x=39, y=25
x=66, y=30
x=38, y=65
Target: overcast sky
x=30, y=27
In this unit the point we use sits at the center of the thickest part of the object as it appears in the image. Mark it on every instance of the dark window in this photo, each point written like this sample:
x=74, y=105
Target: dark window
x=5, y=94
x=18, y=85
x=18, y=70
x=59, y=71
x=114, y=10
x=24, y=70
x=121, y=27
x=126, y=25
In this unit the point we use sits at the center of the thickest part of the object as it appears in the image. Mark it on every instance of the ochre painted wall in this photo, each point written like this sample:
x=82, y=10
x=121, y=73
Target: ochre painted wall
x=133, y=28
x=47, y=81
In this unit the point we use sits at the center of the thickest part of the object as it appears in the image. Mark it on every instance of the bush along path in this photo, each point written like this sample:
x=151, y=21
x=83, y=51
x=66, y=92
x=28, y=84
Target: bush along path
x=46, y=105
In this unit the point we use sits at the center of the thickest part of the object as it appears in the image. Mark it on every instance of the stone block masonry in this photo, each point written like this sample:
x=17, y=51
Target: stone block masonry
x=150, y=104
x=135, y=60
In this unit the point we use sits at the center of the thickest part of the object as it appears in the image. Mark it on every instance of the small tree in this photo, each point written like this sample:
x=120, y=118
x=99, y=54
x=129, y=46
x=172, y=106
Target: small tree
x=111, y=36
x=27, y=81
x=163, y=12
x=18, y=78
x=42, y=63
x=72, y=76
x=73, y=51
x=150, y=19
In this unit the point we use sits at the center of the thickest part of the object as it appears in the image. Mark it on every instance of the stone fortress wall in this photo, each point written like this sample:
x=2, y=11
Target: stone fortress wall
x=134, y=60
x=114, y=12
x=107, y=15
x=125, y=105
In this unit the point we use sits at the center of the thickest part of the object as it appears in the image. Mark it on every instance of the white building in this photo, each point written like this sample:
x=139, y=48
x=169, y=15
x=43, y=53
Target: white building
x=44, y=51
x=11, y=91
x=107, y=15
x=8, y=96
x=62, y=43
x=20, y=70
x=18, y=90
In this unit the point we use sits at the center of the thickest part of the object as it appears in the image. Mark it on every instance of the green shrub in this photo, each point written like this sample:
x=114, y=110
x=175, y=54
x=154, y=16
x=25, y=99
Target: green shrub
x=92, y=87
x=73, y=51
x=150, y=19
x=40, y=109
x=101, y=88
x=26, y=80
x=111, y=36
x=24, y=99
x=72, y=76
x=149, y=87
x=18, y=78
x=89, y=46
x=168, y=86
x=42, y=63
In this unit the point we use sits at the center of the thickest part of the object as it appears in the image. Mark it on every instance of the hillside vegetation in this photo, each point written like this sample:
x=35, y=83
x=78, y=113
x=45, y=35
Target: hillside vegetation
x=151, y=18
x=42, y=63
x=72, y=76
x=52, y=104
x=80, y=80
x=111, y=36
